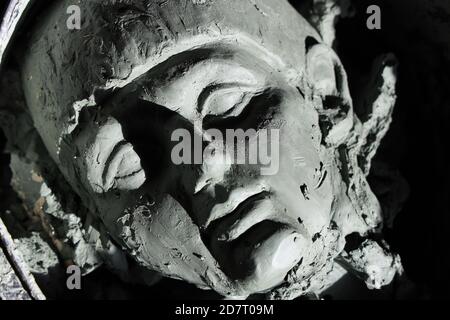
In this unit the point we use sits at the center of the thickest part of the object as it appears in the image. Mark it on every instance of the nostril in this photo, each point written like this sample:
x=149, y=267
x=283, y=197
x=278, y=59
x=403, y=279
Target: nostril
x=221, y=193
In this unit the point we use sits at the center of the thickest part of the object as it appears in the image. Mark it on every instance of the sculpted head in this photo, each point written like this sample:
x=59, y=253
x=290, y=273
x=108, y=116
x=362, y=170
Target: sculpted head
x=107, y=99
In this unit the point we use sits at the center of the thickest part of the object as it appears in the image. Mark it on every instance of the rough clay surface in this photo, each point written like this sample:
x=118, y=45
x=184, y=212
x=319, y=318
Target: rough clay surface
x=17, y=262
x=10, y=286
x=37, y=253
x=67, y=76
x=374, y=263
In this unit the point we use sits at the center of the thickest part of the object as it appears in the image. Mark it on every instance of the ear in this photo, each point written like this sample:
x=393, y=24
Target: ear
x=327, y=81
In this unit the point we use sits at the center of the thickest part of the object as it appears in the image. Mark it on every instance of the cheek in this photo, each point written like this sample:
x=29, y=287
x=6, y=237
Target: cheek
x=300, y=136
x=299, y=154
x=303, y=182
x=160, y=235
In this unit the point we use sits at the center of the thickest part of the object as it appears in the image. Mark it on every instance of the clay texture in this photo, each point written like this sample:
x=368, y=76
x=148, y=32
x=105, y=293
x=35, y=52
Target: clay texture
x=104, y=100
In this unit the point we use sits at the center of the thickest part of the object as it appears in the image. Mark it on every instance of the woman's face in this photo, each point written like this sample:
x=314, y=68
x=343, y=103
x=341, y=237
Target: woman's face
x=238, y=228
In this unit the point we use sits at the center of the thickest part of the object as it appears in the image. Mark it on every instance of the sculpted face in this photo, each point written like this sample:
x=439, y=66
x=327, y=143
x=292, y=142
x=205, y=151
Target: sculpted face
x=113, y=94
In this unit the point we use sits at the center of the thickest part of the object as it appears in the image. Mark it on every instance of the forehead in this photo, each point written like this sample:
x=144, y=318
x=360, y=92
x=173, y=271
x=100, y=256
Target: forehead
x=120, y=38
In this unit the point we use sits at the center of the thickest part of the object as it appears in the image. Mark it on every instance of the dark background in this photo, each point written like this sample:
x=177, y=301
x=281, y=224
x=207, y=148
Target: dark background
x=2, y=7
x=418, y=142
x=418, y=32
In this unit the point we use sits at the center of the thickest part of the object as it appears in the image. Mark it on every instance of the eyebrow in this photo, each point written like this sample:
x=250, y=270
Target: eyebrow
x=199, y=43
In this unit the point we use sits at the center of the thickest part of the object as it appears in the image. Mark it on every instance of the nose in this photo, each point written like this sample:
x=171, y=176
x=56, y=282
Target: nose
x=214, y=167
x=221, y=185
x=202, y=184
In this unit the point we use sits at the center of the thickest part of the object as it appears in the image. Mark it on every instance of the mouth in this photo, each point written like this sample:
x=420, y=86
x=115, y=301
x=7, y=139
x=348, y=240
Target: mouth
x=252, y=247
x=247, y=214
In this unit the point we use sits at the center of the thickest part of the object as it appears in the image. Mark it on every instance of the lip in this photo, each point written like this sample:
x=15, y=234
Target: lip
x=266, y=254
x=245, y=215
x=236, y=198
x=260, y=257
x=252, y=246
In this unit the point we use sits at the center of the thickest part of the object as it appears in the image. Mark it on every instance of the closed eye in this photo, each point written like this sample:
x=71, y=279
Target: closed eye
x=250, y=113
x=224, y=99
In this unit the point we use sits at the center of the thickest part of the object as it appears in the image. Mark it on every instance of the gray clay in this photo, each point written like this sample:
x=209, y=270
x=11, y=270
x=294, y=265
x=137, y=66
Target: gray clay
x=104, y=100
